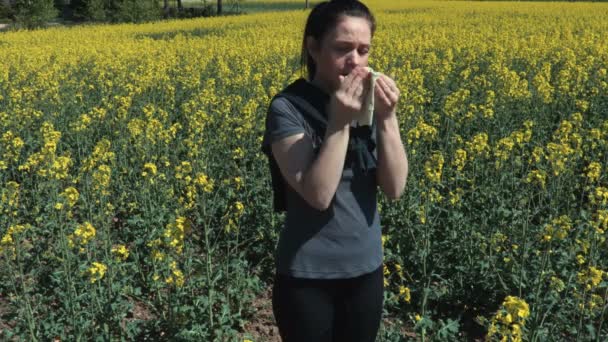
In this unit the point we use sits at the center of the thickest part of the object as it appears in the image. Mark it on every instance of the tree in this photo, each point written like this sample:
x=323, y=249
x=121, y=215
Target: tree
x=34, y=13
x=306, y=3
x=219, y=7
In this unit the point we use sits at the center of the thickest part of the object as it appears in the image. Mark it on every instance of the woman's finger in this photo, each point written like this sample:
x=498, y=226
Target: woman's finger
x=347, y=81
x=352, y=86
x=392, y=85
x=390, y=94
x=381, y=93
x=359, y=90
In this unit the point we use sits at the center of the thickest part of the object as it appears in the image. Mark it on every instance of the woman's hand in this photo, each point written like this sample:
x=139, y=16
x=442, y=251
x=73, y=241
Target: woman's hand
x=347, y=101
x=386, y=97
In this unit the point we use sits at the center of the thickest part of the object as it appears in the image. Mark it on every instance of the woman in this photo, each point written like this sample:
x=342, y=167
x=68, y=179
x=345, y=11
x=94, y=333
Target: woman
x=326, y=170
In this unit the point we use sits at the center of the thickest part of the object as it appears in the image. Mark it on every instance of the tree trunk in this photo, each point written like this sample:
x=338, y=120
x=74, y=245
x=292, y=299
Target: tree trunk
x=219, y=7
x=179, y=5
x=306, y=3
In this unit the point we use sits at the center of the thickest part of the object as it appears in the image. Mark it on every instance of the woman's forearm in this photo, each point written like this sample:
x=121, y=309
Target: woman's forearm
x=324, y=174
x=392, y=160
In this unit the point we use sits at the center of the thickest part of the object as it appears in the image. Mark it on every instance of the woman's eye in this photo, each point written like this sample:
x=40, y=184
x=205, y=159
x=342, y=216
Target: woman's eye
x=343, y=49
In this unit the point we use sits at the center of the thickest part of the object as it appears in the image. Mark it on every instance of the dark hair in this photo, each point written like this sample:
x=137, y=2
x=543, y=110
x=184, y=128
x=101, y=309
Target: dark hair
x=324, y=17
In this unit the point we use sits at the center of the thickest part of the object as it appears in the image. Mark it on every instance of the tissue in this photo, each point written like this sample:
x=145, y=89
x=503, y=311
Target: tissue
x=366, y=115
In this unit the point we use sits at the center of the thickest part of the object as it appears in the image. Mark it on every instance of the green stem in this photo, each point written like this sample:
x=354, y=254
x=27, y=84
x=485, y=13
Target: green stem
x=599, y=329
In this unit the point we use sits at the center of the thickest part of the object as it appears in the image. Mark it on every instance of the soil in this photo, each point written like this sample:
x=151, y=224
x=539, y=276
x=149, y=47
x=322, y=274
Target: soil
x=262, y=326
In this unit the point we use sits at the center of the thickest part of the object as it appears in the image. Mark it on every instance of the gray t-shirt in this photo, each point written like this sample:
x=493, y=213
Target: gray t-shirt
x=343, y=241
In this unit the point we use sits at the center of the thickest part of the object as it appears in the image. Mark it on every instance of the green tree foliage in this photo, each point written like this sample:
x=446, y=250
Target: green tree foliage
x=116, y=10
x=135, y=10
x=34, y=13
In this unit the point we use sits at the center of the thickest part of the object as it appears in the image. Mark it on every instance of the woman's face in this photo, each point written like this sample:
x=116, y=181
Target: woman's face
x=342, y=49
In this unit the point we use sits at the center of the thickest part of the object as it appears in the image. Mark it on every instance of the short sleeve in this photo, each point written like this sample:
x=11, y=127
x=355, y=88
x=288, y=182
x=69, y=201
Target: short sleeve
x=282, y=120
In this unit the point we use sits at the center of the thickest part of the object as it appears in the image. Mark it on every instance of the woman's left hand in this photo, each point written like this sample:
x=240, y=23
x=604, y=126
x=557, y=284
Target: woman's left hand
x=386, y=97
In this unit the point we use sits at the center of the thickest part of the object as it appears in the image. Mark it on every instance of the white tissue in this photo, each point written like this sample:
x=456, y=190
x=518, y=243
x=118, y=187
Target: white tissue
x=366, y=115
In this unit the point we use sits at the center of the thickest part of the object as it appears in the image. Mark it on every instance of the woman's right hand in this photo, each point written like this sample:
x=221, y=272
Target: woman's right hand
x=347, y=101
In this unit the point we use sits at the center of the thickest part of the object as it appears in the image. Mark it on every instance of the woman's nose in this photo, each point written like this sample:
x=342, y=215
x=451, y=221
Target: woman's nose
x=353, y=60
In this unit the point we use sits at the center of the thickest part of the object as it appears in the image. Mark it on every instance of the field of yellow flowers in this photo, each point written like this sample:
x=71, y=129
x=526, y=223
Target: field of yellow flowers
x=134, y=198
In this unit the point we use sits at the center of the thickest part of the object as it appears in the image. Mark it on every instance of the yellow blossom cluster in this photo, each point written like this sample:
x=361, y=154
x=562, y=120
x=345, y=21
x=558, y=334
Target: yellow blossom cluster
x=509, y=321
x=433, y=167
x=82, y=235
x=10, y=149
x=175, y=232
x=591, y=277
x=505, y=146
x=478, y=146
x=599, y=196
x=422, y=132
x=558, y=229
x=96, y=271
x=538, y=177
x=593, y=171
x=8, y=239
x=9, y=198
x=121, y=253
x=460, y=159
x=176, y=277
x=46, y=163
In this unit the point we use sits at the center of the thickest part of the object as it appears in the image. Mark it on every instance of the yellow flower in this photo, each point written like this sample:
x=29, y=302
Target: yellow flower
x=120, y=252
x=384, y=239
x=455, y=196
x=239, y=208
x=537, y=177
x=149, y=169
x=558, y=228
x=404, y=292
x=590, y=277
x=433, y=167
x=97, y=271
x=599, y=196
x=601, y=222
x=460, y=158
x=176, y=277
x=238, y=153
x=174, y=233
x=421, y=132
x=101, y=178
x=238, y=181
x=205, y=182
x=593, y=171
x=8, y=238
x=478, y=146
x=557, y=284
x=82, y=235
x=70, y=195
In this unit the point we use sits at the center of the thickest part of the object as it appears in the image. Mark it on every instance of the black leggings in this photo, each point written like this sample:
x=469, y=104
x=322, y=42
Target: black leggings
x=328, y=310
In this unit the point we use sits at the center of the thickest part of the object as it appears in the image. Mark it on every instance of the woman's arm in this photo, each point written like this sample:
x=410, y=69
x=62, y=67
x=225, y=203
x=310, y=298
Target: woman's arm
x=316, y=180
x=392, y=160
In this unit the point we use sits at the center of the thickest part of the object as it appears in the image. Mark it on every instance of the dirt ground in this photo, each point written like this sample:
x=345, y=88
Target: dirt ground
x=262, y=327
